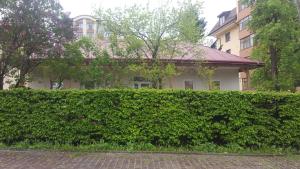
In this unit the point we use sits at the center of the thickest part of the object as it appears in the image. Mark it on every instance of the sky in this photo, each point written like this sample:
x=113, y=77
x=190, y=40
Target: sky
x=211, y=8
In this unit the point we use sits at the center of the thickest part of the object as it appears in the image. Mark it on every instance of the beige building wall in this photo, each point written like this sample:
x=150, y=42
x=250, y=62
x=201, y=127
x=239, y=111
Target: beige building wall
x=81, y=25
x=229, y=80
x=6, y=85
x=228, y=77
x=233, y=44
x=45, y=84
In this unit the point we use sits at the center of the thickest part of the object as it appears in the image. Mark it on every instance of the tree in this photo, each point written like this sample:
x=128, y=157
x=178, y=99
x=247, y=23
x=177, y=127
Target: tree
x=277, y=36
x=153, y=34
x=31, y=30
x=104, y=72
x=69, y=66
x=207, y=73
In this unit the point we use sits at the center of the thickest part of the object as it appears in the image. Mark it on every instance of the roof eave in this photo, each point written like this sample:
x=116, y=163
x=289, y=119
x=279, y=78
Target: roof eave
x=214, y=32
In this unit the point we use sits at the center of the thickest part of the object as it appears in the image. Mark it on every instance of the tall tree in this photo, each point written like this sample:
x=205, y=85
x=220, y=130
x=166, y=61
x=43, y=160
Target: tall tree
x=69, y=66
x=144, y=33
x=277, y=36
x=31, y=30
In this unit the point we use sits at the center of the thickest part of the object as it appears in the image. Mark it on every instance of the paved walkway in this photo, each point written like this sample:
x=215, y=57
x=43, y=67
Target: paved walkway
x=59, y=160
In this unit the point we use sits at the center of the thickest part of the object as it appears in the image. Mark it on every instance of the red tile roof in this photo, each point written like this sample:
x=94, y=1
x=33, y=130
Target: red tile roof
x=230, y=17
x=214, y=55
x=191, y=54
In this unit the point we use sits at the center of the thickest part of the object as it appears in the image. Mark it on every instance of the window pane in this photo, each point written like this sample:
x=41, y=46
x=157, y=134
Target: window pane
x=247, y=42
x=222, y=20
x=189, y=85
x=244, y=23
x=227, y=37
x=136, y=86
x=145, y=85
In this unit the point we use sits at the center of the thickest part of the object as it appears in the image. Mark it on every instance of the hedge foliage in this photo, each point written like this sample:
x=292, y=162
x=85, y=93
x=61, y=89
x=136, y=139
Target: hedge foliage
x=160, y=117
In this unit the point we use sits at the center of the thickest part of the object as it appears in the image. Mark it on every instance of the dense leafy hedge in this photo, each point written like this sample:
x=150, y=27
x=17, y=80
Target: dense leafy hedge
x=159, y=117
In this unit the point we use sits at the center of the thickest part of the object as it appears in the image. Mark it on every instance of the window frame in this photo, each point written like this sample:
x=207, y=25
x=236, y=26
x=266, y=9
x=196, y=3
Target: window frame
x=227, y=37
x=222, y=20
x=139, y=82
x=249, y=44
x=189, y=85
x=244, y=22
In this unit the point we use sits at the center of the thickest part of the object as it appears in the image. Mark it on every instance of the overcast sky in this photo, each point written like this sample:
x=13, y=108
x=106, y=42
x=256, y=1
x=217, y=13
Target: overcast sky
x=212, y=8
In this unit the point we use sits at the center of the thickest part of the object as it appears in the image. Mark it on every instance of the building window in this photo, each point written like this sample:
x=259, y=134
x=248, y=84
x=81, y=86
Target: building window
x=189, y=85
x=216, y=85
x=79, y=25
x=244, y=23
x=90, y=26
x=140, y=82
x=245, y=84
x=228, y=51
x=243, y=5
x=222, y=20
x=227, y=37
x=247, y=42
x=57, y=85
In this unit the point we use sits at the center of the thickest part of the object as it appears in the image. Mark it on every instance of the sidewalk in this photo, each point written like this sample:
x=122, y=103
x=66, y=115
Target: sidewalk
x=62, y=160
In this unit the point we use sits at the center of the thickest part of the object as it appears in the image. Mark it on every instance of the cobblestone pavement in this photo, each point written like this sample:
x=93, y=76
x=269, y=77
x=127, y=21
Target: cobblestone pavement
x=60, y=160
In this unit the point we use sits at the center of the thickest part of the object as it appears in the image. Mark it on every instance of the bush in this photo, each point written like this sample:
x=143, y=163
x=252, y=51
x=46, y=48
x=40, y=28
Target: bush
x=157, y=117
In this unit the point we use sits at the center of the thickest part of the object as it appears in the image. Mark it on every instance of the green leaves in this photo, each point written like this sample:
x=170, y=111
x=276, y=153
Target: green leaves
x=277, y=36
x=159, y=117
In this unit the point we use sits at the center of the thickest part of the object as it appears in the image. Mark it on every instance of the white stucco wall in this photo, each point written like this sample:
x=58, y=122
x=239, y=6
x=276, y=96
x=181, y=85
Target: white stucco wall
x=6, y=85
x=229, y=80
x=45, y=84
x=228, y=77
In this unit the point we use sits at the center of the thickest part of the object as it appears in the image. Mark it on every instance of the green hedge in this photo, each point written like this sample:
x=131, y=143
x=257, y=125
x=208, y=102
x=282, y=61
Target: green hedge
x=160, y=117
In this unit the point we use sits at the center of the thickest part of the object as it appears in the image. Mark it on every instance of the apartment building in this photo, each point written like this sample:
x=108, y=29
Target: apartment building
x=233, y=36
x=85, y=25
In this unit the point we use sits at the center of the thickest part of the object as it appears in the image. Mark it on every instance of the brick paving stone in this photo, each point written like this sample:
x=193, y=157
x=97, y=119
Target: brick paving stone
x=64, y=160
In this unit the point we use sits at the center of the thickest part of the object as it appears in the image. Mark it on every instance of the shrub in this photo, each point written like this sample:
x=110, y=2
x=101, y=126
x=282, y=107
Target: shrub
x=158, y=117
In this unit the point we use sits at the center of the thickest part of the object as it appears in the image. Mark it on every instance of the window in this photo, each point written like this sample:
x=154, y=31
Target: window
x=139, y=85
x=88, y=85
x=222, y=20
x=90, y=26
x=245, y=84
x=57, y=85
x=189, y=85
x=216, y=85
x=243, y=5
x=228, y=51
x=227, y=37
x=140, y=82
x=244, y=23
x=247, y=42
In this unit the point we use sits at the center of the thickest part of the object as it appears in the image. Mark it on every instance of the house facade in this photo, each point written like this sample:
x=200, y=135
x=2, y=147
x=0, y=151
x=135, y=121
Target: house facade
x=233, y=36
x=225, y=77
x=227, y=66
x=85, y=25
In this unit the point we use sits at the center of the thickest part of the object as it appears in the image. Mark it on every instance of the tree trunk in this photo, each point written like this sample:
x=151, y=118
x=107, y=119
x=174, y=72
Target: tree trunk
x=1, y=82
x=274, y=67
x=160, y=83
x=22, y=80
x=51, y=84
